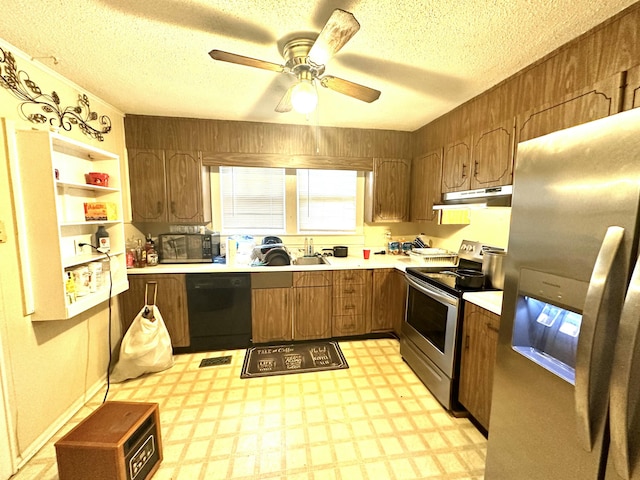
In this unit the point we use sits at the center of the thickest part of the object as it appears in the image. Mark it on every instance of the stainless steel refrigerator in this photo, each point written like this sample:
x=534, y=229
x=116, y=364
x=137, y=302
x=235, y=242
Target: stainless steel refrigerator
x=567, y=375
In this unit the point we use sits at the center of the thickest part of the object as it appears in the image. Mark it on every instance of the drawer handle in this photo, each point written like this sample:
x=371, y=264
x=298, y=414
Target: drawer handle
x=492, y=328
x=351, y=290
x=349, y=307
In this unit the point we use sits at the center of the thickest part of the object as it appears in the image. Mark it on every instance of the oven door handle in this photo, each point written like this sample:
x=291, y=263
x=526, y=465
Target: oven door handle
x=435, y=294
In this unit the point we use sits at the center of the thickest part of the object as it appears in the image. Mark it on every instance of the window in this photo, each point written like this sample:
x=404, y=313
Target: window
x=287, y=201
x=326, y=200
x=252, y=199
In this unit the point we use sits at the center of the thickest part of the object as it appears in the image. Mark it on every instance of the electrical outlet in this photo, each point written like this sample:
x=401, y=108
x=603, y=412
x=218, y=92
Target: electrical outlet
x=3, y=233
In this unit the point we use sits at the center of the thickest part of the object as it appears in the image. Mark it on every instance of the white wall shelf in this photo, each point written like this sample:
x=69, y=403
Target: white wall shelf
x=52, y=186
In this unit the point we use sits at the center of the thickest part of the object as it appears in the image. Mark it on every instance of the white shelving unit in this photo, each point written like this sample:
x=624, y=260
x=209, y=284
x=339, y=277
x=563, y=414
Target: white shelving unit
x=52, y=217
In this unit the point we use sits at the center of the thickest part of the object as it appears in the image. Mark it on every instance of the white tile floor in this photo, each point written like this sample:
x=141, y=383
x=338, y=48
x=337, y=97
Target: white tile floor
x=374, y=420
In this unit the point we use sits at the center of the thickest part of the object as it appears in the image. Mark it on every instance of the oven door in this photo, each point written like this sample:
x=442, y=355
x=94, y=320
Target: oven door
x=431, y=323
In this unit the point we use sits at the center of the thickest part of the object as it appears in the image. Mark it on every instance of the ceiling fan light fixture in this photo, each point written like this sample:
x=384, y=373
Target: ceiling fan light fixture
x=304, y=97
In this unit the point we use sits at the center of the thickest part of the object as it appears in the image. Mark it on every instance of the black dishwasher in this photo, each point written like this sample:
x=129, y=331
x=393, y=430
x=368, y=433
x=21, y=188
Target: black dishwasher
x=219, y=311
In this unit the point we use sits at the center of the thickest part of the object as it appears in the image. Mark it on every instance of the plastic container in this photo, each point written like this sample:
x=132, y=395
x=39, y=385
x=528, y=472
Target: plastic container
x=102, y=240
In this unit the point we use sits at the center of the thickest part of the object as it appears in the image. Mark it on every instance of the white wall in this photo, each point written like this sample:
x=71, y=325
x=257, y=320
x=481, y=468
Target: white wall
x=51, y=367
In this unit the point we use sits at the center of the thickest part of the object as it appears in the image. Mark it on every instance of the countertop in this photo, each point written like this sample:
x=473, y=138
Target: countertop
x=491, y=301
x=399, y=262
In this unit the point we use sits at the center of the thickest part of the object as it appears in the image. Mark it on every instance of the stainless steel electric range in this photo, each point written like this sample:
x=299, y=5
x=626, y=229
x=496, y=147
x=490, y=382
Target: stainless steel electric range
x=431, y=333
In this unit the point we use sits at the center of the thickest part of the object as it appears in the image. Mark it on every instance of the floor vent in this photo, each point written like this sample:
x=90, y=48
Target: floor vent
x=212, y=362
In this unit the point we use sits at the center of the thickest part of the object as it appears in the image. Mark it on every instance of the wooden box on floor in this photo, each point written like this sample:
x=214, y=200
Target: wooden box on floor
x=118, y=441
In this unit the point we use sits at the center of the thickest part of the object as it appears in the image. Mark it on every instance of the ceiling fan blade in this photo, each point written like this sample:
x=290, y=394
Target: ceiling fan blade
x=338, y=30
x=285, y=104
x=352, y=89
x=248, y=61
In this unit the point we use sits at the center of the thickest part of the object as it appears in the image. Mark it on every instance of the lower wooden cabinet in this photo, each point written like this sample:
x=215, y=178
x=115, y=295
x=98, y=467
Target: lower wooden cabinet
x=312, y=305
x=271, y=307
x=389, y=296
x=171, y=301
x=479, y=342
x=351, y=303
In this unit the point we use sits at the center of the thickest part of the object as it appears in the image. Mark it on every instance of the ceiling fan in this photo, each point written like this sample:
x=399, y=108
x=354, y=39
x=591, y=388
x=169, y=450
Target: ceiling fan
x=305, y=58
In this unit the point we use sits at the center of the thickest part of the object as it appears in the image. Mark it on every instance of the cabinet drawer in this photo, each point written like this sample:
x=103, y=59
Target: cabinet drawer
x=349, y=305
x=350, y=277
x=349, y=290
x=312, y=279
x=343, y=325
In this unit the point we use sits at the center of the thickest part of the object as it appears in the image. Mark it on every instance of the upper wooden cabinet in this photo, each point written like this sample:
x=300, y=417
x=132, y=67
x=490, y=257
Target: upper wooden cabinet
x=456, y=169
x=387, y=190
x=169, y=187
x=484, y=159
x=426, y=175
x=492, y=156
x=597, y=101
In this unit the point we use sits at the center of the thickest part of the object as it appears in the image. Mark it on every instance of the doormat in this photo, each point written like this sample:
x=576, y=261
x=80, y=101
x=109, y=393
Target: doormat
x=295, y=358
x=212, y=362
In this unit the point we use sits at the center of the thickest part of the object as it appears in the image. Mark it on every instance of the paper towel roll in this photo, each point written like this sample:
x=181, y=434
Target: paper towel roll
x=232, y=249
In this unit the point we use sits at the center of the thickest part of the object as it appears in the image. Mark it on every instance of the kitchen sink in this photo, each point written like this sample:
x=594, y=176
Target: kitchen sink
x=309, y=261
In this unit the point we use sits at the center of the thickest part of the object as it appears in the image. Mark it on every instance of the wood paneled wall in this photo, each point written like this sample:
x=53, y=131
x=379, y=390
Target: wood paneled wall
x=221, y=136
x=612, y=47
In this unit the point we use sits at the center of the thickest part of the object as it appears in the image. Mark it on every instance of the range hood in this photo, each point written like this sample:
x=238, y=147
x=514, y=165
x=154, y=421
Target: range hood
x=482, y=197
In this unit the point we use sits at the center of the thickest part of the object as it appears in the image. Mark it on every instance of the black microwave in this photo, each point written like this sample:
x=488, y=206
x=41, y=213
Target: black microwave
x=188, y=247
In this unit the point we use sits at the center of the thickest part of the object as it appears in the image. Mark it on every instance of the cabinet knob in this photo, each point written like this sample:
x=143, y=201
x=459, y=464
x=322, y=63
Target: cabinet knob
x=475, y=169
x=159, y=207
x=173, y=208
x=464, y=168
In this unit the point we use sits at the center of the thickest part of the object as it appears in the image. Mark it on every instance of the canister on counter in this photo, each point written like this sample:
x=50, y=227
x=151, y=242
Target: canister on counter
x=407, y=247
x=394, y=248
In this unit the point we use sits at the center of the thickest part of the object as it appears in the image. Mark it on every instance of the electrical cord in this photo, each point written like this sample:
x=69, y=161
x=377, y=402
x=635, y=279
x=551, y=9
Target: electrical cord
x=109, y=334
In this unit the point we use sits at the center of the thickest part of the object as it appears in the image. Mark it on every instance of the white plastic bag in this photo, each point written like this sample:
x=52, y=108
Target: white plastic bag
x=145, y=348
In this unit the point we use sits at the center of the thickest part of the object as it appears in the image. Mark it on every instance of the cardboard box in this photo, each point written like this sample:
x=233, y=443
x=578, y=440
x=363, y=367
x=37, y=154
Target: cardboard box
x=96, y=211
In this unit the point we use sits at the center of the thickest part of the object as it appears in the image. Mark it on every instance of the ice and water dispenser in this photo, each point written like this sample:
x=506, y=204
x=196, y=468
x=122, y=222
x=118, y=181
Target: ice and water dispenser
x=547, y=321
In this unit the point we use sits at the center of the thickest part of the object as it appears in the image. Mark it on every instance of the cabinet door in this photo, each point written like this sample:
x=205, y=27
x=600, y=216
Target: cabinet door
x=171, y=301
x=388, y=190
x=389, y=298
x=185, y=187
x=600, y=100
x=480, y=339
x=426, y=186
x=312, y=313
x=271, y=311
x=492, y=156
x=456, y=166
x=146, y=180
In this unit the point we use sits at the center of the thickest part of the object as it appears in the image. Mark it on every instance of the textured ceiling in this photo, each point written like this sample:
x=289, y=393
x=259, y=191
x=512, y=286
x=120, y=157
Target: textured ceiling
x=150, y=57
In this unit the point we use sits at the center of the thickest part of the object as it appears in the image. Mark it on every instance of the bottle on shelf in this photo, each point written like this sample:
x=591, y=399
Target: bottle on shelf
x=141, y=255
x=70, y=288
x=102, y=240
x=151, y=253
x=310, y=249
x=306, y=246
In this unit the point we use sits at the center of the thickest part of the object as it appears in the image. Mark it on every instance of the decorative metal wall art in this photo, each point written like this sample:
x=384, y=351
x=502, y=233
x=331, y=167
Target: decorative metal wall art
x=32, y=98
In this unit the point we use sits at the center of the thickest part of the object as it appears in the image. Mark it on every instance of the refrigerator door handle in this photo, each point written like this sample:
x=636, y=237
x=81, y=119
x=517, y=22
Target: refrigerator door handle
x=588, y=384
x=625, y=369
